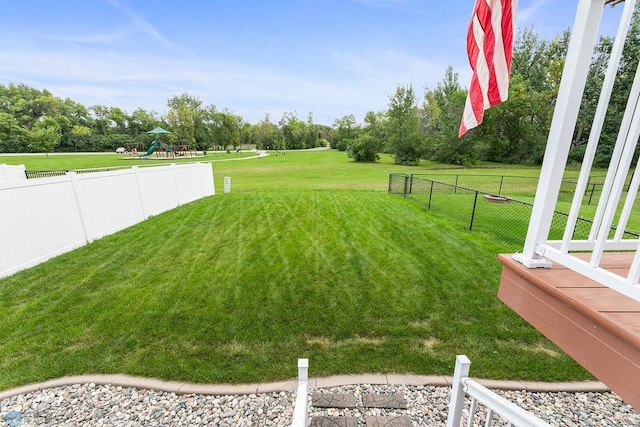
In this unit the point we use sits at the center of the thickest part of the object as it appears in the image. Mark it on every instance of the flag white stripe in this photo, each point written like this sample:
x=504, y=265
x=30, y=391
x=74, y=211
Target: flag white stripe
x=482, y=68
x=499, y=58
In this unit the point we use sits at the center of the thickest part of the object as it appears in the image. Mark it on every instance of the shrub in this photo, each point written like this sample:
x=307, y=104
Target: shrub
x=365, y=148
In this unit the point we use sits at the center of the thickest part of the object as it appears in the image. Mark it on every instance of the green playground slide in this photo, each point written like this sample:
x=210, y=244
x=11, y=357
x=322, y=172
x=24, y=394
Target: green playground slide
x=151, y=149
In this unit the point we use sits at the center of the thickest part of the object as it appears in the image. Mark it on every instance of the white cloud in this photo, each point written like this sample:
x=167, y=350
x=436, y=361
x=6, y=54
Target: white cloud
x=146, y=27
x=98, y=38
x=527, y=15
x=391, y=67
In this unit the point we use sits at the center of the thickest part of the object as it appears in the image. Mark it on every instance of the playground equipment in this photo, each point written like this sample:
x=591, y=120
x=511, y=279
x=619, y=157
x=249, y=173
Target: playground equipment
x=157, y=145
x=162, y=149
x=154, y=145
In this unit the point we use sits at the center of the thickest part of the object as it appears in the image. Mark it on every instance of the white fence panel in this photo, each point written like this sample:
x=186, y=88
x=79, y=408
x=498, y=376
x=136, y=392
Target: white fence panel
x=45, y=217
x=188, y=183
x=206, y=180
x=12, y=173
x=38, y=220
x=109, y=201
x=157, y=189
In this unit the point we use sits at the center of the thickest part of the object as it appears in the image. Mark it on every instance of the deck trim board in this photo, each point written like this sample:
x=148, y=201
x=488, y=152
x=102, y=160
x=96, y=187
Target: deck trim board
x=595, y=325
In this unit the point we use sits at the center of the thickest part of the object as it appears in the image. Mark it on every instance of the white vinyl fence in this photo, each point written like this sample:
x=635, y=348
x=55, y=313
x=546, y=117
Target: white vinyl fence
x=11, y=173
x=45, y=217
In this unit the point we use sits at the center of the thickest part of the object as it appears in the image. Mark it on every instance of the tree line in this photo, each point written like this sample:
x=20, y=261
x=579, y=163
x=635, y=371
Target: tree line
x=412, y=128
x=33, y=120
x=515, y=131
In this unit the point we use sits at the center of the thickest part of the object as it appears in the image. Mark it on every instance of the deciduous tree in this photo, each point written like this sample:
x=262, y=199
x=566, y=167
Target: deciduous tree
x=45, y=135
x=404, y=139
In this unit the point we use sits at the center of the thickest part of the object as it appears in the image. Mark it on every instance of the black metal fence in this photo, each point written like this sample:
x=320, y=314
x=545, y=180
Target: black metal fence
x=31, y=174
x=516, y=185
x=503, y=218
x=43, y=174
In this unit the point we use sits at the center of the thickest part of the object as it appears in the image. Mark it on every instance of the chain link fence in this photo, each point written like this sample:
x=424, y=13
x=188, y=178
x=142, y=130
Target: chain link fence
x=503, y=218
x=521, y=186
x=33, y=174
x=43, y=174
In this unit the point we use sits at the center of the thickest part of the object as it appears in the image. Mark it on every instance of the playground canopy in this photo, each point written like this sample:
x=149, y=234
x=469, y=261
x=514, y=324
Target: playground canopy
x=158, y=130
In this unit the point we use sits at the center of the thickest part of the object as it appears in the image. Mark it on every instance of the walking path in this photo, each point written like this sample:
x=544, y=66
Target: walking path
x=122, y=400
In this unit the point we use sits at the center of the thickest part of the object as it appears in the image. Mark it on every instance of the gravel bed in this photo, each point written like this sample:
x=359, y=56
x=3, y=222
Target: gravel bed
x=108, y=405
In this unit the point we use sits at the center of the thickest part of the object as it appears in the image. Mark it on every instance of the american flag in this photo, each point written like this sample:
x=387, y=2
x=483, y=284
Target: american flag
x=490, y=47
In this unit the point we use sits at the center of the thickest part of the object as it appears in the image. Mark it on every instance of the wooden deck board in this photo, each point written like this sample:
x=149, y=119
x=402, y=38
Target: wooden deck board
x=602, y=299
x=568, y=281
x=629, y=319
x=593, y=324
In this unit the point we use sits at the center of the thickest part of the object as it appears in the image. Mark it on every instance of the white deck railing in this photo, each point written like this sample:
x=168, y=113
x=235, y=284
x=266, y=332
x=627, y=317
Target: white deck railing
x=464, y=386
x=300, y=409
x=538, y=251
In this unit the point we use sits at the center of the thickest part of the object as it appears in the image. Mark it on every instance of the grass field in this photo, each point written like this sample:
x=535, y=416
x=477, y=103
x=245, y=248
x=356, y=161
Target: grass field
x=307, y=257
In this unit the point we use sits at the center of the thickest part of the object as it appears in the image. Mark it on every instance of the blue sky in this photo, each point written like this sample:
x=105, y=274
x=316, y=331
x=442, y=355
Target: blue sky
x=325, y=57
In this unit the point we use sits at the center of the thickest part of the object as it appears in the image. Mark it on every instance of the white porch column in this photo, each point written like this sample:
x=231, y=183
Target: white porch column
x=574, y=76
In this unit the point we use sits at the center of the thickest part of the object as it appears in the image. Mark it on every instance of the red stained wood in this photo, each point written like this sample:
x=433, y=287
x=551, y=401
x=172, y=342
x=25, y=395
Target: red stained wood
x=595, y=325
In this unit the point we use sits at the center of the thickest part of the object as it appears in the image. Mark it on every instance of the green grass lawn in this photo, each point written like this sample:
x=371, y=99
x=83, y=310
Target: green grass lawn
x=307, y=257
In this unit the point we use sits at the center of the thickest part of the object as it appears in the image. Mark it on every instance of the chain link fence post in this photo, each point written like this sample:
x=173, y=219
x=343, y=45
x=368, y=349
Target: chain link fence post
x=406, y=181
x=473, y=211
x=430, y=194
x=593, y=187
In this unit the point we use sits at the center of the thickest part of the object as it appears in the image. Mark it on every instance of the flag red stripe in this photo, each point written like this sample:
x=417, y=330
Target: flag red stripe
x=507, y=30
x=485, y=17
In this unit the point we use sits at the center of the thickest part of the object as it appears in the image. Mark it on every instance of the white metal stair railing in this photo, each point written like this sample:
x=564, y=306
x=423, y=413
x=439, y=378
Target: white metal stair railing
x=300, y=409
x=538, y=250
x=464, y=386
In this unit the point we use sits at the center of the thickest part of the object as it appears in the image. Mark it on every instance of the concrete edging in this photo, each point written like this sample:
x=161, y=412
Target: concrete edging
x=291, y=385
